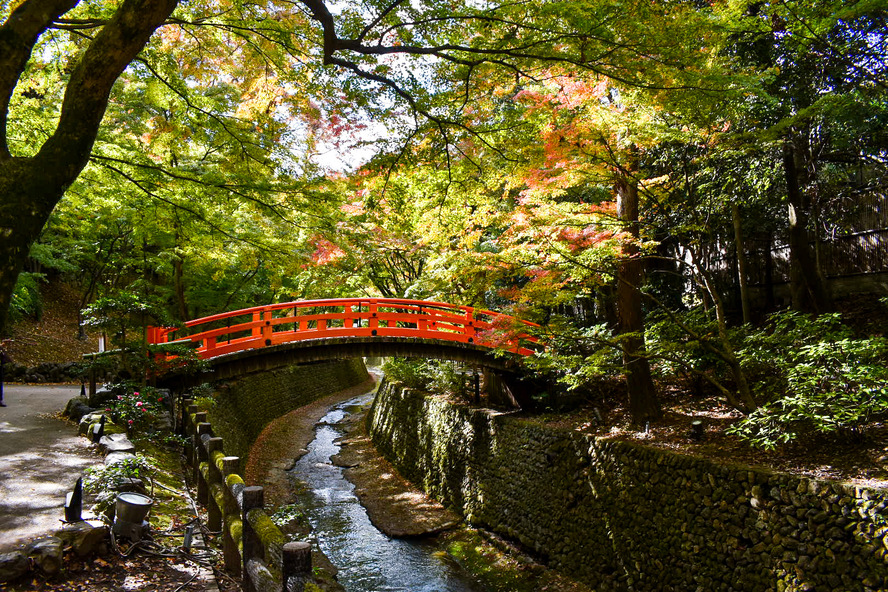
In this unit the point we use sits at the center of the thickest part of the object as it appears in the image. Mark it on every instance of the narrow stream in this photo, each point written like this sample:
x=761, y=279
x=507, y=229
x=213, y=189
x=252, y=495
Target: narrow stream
x=368, y=560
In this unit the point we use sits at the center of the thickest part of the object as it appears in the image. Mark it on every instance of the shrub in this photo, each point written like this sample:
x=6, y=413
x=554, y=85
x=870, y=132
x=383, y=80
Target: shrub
x=676, y=351
x=577, y=356
x=440, y=376
x=822, y=379
x=407, y=371
x=105, y=480
x=136, y=410
x=26, y=300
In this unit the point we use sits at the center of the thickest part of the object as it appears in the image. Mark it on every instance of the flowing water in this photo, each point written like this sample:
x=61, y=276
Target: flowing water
x=368, y=560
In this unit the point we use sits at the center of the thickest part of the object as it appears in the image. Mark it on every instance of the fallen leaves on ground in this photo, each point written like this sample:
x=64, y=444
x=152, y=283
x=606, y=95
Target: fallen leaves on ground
x=143, y=570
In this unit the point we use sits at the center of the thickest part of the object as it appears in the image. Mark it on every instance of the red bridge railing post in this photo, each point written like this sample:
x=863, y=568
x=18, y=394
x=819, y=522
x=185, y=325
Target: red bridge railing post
x=469, y=328
x=257, y=330
x=266, y=327
x=373, y=321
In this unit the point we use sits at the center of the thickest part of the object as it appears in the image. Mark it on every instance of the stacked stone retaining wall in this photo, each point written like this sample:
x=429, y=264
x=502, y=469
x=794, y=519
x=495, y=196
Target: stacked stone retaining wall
x=244, y=406
x=621, y=516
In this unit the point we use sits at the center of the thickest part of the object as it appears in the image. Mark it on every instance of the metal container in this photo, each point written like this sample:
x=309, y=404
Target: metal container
x=132, y=507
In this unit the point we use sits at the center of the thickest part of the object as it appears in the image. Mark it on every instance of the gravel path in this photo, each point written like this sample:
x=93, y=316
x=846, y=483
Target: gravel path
x=41, y=457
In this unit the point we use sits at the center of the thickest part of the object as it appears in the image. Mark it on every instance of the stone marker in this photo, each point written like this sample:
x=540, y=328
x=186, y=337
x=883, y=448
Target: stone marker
x=74, y=502
x=87, y=420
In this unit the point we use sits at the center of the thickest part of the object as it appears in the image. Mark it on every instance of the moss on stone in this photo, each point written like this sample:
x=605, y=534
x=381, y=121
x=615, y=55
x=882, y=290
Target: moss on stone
x=499, y=572
x=216, y=458
x=612, y=513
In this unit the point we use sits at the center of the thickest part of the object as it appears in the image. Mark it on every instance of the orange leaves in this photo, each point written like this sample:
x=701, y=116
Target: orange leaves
x=504, y=331
x=575, y=92
x=355, y=208
x=325, y=251
x=564, y=92
x=170, y=35
x=577, y=239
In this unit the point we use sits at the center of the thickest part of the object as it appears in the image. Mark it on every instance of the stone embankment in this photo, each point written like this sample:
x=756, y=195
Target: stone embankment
x=620, y=516
x=243, y=407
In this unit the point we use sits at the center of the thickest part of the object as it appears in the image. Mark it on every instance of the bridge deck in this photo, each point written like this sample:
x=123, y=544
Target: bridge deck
x=349, y=319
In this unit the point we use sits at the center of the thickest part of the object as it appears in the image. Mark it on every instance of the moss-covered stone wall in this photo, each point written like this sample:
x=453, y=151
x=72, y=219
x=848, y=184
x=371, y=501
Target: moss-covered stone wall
x=243, y=407
x=620, y=516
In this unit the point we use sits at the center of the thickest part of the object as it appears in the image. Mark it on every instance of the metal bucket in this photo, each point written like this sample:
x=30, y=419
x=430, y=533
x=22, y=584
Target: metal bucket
x=132, y=507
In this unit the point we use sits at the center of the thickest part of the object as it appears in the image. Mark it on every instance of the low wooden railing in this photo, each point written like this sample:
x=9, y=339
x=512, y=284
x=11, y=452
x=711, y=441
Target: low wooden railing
x=274, y=324
x=253, y=547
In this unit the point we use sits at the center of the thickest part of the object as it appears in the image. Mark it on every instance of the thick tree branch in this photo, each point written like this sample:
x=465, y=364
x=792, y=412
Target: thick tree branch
x=86, y=96
x=77, y=24
x=17, y=38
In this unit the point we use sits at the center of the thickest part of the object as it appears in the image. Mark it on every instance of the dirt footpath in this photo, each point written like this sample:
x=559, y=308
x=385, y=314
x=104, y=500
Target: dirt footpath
x=41, y=457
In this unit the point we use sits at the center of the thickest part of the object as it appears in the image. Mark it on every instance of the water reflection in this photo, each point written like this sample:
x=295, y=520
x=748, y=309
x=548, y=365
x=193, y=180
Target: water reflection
x=369, y=561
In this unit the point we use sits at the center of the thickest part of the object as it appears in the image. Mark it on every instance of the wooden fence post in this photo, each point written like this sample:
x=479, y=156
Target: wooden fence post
x=197, y=418
x=214, y=482
x=190, y=426
x=253, y=498
x=295, y=566
x=203, y=429
x=182, y=412
x=230, y=552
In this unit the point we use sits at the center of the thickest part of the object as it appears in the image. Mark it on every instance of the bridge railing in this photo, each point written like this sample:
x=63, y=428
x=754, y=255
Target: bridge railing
x=275, y=324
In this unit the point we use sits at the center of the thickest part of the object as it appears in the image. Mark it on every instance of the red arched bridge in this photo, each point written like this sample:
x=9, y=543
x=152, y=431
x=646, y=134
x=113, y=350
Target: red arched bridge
x=351, y=320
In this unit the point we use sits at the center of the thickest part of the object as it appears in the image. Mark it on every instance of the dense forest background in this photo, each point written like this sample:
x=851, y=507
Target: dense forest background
x=687, y=192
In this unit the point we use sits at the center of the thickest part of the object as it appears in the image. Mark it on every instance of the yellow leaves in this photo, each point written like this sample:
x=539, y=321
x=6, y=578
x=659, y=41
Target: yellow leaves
x=655, y=181
x=260, y=97
x=470, y=239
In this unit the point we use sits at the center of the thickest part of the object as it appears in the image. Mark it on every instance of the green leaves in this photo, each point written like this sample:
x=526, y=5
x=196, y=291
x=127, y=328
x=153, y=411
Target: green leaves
x=829, y=382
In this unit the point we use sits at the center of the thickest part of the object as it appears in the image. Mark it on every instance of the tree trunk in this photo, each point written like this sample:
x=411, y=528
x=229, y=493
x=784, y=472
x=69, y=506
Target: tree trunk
x=179, y=278
x=31, y=187
x=769, y=273
x=25, y=205
x=806, y=284
x=741, y=263
x=643, y=403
